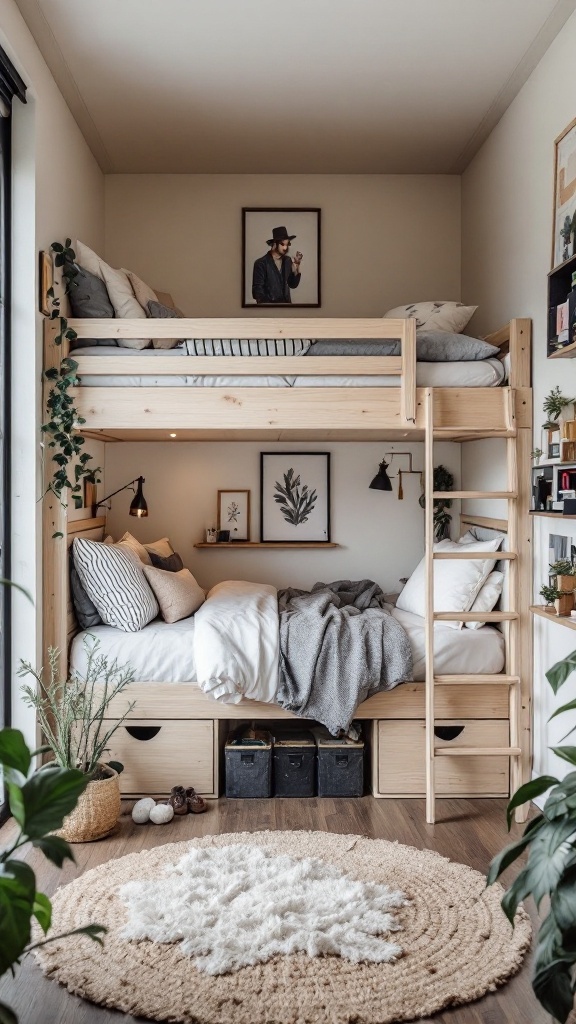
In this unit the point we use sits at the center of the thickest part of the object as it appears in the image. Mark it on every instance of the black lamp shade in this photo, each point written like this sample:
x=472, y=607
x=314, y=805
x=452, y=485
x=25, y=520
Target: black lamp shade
x=381, y=481
x=138, y=506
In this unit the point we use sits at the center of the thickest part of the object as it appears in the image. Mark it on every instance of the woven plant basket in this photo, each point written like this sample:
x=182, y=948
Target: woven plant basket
x=96, y=812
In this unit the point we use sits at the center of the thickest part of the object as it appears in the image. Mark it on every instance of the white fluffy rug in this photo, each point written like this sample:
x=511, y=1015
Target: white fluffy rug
x=242, y=905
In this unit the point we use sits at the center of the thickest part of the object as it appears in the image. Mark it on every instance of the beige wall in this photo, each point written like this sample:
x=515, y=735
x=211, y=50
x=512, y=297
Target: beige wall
x=58, y=190
x=506, y=244
x=386, y=239
x=381, y=537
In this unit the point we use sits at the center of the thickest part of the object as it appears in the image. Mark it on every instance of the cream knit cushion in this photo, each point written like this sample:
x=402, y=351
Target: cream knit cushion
x=177, y=593
x=161, y=547
x=435, y=316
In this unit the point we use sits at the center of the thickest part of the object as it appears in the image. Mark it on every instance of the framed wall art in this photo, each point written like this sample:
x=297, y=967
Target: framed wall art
x=45, y=281
x=294, y=496
x=234, y=514
x=280, y=256
x=563, y=239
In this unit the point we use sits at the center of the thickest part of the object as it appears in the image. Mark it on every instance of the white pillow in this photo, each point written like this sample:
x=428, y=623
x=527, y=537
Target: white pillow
x=113, y=578
x=178, y=593
x=434, y=316
x=488, y=597
x=119, y=290
x=456, y=582
x=161, y=547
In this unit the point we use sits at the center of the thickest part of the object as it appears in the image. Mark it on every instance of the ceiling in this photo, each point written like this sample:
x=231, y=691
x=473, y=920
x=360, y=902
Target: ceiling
x=290, y=86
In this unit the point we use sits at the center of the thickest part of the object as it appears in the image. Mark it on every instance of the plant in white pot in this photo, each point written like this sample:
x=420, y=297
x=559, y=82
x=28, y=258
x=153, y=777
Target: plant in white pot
x=72, y=714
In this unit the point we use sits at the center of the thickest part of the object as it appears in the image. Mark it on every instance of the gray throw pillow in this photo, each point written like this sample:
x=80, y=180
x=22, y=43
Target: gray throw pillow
x=89, y=299
x=171, y=564
x=431, y=347
x=158, y=311
x=87, y=614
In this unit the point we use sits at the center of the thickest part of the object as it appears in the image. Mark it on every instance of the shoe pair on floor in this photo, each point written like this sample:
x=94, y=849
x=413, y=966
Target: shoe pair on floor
x=186, y=800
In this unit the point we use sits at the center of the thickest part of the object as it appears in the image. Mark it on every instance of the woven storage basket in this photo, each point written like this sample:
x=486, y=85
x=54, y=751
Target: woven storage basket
x=96, y=812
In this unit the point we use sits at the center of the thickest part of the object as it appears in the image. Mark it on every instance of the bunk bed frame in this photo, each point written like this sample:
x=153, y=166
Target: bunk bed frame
x=492, y=712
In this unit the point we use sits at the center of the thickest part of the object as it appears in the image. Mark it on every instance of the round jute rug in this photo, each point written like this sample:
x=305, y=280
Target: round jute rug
x=457, y=944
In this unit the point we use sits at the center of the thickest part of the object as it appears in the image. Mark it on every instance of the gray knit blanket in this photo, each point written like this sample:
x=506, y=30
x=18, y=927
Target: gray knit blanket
x=338, y=646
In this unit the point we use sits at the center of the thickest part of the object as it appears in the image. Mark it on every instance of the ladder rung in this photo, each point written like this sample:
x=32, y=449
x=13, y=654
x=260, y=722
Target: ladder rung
x=474, y=494
x=473, y=556
x=472, y=434
x=477, y=680
x=476, y=751
x=475, y=616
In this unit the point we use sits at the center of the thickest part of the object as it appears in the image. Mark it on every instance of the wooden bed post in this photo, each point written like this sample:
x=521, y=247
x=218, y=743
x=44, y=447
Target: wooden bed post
x=54, y=553
x=429, y=618
x=408, y=378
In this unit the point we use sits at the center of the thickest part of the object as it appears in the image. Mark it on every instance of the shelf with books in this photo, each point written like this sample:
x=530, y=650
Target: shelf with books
x=561, y=342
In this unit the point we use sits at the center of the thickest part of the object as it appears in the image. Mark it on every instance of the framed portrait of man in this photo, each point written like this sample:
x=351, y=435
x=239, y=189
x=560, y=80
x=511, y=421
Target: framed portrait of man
x=281, y=256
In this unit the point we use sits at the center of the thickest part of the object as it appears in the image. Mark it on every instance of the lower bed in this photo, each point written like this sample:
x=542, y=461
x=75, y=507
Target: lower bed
x=164, y=652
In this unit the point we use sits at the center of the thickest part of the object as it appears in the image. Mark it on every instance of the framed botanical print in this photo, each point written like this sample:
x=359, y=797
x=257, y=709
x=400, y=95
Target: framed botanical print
x=294, y=496
x=234, y=514
x=564, y=236
x=280, y=256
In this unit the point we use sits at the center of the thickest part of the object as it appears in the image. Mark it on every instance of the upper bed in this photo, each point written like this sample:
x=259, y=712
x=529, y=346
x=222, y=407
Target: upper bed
x=128, y=395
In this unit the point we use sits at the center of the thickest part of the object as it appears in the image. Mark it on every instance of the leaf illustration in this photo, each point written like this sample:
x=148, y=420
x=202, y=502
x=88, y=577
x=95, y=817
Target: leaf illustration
x=296, y=500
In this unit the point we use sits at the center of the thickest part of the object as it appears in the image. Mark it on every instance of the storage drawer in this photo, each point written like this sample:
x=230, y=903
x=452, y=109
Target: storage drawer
x=162, y=754
x=402, y=766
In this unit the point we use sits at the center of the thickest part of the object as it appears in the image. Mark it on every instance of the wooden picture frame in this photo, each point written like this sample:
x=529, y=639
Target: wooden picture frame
x=234, y=514
x=260, y=228
x=564, y=210
x=45, y=282
x=294, y=497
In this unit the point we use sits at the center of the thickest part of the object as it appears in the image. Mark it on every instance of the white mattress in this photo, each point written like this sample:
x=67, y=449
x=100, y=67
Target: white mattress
x=163, y=652
x=481, y=373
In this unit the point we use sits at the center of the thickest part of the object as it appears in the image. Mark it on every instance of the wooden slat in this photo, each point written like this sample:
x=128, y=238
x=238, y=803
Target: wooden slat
x=475, y=616
x=408, y=382
x=474, y=494
x=239, y=366
x=476, y=751
x=83, y=525
x=473, y=556
x=244, y=327
x=476, y=679
x=487, y=521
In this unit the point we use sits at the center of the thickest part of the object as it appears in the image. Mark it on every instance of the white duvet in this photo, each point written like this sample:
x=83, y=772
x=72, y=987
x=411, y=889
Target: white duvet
x=236, y=642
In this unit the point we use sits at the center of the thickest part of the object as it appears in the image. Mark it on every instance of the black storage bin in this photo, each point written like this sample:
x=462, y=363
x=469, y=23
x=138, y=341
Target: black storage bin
x=340, y=765
x=294, y=756
x=248, y=762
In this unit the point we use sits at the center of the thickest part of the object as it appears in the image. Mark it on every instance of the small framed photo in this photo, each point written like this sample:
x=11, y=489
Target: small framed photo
x=281, y=256
x=294, y=496
x=234, y=514
x=564, y=236
x=45, y=281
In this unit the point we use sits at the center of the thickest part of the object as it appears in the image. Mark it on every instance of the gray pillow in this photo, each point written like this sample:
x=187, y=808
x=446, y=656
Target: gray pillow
x=173, y=563
x=87, y=614
x=431, y=347
x=89, y=299
x=158, y=311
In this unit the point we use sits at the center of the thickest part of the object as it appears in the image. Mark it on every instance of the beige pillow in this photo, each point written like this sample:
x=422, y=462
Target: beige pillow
x=177, y=593
x=161, y=547
x=142, y=291
x=119, y=290
x=435, y=316
x=139, y=550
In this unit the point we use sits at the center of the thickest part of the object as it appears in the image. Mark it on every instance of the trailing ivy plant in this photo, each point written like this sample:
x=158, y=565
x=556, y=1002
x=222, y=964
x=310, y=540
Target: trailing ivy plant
x=550, y=871
x=443, y=481
x=64, y=421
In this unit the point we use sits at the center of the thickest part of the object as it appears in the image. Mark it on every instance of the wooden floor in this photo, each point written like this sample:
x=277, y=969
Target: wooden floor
x=469, y=831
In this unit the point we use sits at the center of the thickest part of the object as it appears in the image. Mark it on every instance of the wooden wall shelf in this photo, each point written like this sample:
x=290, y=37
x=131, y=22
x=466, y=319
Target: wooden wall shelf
x=561, y=620
x=552, y=515
x=267, y=544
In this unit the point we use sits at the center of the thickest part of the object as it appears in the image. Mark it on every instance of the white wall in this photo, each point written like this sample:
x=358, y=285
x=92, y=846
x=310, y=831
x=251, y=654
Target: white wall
x=506, y=242
x=386, y=239
x=58, y=190
x=381, y=537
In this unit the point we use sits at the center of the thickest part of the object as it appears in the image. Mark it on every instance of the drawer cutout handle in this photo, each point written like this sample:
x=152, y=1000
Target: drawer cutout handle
x=295, y=760
x=448, y=732
x=143, y=732
x=247, y=760
x=341, y=760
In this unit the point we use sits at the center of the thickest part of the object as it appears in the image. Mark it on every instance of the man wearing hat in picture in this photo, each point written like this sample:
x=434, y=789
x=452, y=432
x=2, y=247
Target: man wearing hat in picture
x=276, y=273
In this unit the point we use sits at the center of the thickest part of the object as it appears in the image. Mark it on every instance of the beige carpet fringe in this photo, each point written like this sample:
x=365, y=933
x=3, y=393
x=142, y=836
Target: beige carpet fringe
x=457, y=944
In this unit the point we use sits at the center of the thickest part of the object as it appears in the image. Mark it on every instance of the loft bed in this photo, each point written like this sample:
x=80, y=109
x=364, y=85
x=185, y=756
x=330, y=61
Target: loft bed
x=491, y=713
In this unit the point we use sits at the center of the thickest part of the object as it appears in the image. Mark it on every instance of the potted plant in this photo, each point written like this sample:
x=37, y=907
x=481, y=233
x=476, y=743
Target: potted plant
x=72, y=716
x=38, y=803
x=564, y=603
x=549, y=594
x=553, y=406
x=550, y=871
x=565, y=574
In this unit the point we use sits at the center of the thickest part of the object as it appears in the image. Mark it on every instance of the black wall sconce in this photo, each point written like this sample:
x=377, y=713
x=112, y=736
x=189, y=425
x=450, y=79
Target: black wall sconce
x=138, y=506
x=382, y=482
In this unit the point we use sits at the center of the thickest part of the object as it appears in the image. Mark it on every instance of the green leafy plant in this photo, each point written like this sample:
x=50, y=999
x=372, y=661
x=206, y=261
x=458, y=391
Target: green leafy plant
x=39, y=802
x=296, y=500
x=64, y=421
x=550, y=871
x=563, y=567
x=72, y=713
x=443, y=481
x=553, y=405
x=549, y=593
x=536, y=454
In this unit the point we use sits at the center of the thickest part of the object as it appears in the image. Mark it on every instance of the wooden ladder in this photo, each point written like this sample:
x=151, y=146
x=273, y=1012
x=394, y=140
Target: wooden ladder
x=510, y=678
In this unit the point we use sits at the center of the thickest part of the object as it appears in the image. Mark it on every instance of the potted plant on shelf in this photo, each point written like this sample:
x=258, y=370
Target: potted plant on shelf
x=564, y=603
x=550, y=871
x=553, y=406
x=565, y=574
x=72, y=716
x=549, y=594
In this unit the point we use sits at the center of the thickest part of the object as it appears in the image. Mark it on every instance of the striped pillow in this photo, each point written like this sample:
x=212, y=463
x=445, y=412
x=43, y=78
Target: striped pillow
x=113, y=579
x=248, y=347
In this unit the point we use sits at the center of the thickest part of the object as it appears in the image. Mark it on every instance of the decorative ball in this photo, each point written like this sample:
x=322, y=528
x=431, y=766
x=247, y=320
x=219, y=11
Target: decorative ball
x=141, y=810
x=161, y=814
